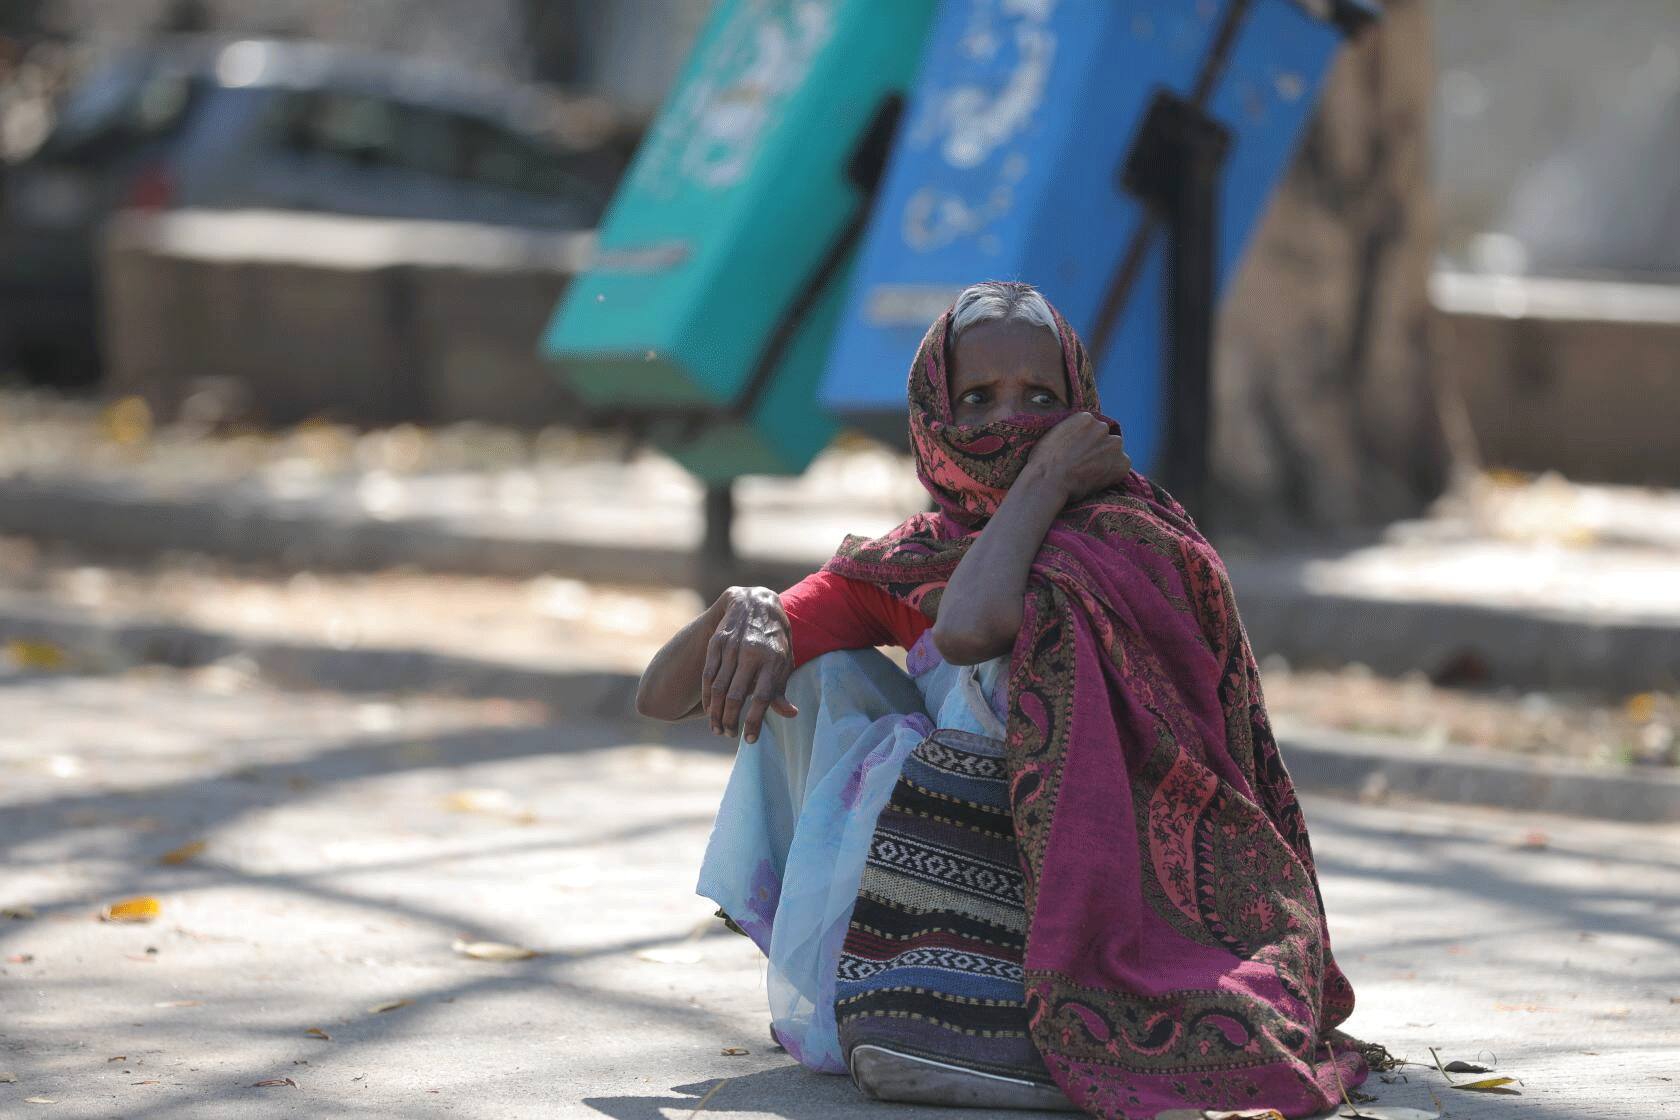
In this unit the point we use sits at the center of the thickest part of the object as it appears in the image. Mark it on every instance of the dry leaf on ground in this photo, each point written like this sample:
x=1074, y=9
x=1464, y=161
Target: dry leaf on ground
x=492, y=950
x=17, y=913
x=381, y=1008
x=1388, y=1112
x=141, y=909
x=28, y=654
x=184, y=853
x=734, y=1051
x=481, y=801
x=126, y=421
x=1498, y=1084
x=118, y=1058
x=179, y=1003
x=274, y=1082
x=20, y=958
x=8, y=1079
x=39, y=1100
x=1488, y=1085
x=317, y=1032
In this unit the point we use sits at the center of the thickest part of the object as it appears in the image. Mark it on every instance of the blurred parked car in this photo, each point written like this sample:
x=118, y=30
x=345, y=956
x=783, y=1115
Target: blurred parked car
x=267, y=124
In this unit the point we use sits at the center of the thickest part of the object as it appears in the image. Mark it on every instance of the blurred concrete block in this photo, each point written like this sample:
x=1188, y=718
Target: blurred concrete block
x=479, y=330
x=1576, y=376
x=289, y=316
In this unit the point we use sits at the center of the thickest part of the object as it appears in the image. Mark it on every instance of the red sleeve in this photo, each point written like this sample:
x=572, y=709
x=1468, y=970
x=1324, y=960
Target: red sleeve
x=827, y=612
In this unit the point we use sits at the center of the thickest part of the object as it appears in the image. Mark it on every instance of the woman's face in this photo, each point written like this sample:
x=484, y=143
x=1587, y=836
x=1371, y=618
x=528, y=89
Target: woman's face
x=1004, y=367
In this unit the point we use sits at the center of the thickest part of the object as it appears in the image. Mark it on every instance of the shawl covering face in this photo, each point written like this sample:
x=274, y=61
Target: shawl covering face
x=1177, y=954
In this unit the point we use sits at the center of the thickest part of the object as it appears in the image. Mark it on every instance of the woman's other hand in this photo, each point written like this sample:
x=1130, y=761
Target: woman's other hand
x=1081, y=456
x=748, y=659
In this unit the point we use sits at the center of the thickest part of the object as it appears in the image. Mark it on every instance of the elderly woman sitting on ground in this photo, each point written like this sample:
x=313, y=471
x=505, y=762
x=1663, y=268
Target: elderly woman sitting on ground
x=1058, y=863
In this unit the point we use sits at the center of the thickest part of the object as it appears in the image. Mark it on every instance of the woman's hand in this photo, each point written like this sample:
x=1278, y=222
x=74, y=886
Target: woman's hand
x=748, y=660
x=981, y=611
x=1080, y=456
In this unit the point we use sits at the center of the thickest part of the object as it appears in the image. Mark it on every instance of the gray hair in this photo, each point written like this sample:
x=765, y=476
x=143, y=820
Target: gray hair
x=998, y=300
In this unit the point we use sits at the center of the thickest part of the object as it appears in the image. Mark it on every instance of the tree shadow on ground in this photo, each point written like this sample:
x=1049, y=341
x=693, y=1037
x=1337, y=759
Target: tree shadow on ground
x=220, y=797
x=228, y=793
x=795, y=1093
x=1441, y=863
x=789, y=1091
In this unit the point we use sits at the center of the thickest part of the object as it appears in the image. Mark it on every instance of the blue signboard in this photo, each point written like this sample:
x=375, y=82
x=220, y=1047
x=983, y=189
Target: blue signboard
x=1010, y=165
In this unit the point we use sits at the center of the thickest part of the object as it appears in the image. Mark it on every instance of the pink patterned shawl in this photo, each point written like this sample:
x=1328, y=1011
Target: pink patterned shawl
x=1177, y=953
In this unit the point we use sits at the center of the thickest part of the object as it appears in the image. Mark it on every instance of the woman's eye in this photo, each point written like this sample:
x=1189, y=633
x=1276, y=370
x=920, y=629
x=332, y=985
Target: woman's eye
x=973, y=396
x=1044, y=397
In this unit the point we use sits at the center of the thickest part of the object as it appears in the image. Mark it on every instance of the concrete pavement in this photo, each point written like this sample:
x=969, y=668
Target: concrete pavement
x=473, y=638
x=1532, y=585
x=349, y=842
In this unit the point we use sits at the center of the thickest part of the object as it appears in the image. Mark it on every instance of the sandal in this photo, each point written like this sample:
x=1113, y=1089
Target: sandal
x=886, y=1075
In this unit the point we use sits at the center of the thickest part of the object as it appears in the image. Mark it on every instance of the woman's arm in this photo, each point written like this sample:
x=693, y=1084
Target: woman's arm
x=981, y=610
x=670, y=685
x=731, y=662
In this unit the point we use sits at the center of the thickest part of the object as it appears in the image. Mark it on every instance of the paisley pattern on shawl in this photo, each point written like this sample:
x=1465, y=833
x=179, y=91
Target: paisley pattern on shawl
x=1177, y=953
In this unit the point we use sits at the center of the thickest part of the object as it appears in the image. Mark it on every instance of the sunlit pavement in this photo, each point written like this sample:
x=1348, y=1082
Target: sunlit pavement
x=1534, y=584
x=349, y=844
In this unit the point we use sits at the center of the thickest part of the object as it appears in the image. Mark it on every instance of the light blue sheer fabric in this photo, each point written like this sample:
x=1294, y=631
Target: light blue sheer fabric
x=793, y=832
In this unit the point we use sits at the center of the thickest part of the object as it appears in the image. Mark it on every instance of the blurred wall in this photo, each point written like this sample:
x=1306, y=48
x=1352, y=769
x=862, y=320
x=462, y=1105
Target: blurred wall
x=279, y=317
x=1579, y=377
x=1556, y=129
x=1523, y=81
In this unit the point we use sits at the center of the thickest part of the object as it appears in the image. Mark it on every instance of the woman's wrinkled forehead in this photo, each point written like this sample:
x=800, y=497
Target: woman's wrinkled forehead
x=930, y=385
x=993, y=347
